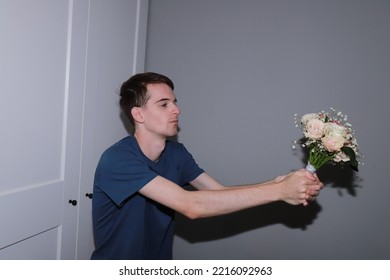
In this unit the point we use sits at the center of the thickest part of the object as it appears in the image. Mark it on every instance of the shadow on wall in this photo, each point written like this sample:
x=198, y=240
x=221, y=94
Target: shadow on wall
x=341, y=178
x=232, y=224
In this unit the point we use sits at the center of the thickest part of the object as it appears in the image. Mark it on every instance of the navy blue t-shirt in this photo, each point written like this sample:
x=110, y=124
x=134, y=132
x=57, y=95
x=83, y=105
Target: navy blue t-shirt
x=126, y=224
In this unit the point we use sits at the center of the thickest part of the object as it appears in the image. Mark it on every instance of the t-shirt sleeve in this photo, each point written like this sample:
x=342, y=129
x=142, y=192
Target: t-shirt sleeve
x=191, y=169
x=120, y=176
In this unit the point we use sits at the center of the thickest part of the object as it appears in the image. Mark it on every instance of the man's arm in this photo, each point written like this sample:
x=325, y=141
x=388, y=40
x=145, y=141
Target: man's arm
x=214, y=199
x=206, y=182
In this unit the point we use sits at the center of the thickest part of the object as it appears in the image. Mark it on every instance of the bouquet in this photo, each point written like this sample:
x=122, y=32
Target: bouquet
x=329, y=138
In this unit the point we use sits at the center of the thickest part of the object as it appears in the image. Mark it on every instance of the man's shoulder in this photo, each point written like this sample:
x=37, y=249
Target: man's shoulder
x=125, y=143
x=124, y=147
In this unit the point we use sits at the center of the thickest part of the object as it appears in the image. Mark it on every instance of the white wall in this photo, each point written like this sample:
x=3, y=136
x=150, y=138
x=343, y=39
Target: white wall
x=242, y=69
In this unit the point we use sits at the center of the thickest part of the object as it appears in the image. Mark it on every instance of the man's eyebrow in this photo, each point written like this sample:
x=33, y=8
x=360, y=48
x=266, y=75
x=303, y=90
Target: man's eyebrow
x=165, y=99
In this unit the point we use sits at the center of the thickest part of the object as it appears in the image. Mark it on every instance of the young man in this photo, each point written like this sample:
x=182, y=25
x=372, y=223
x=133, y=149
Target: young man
x=138, y=181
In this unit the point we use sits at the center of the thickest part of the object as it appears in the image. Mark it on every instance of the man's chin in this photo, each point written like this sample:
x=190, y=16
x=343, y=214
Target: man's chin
x=173, y=133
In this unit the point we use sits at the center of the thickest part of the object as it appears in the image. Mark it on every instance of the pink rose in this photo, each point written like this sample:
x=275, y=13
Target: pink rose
x=334, y=137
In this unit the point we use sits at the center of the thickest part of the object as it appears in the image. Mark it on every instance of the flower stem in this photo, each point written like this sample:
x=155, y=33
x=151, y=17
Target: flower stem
x=318, y=158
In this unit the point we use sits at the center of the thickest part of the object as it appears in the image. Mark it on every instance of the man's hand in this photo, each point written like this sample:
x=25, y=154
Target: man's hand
x=314, y=190
x=299, y=187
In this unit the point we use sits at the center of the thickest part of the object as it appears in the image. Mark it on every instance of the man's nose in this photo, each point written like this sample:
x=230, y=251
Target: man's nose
x=176, y=109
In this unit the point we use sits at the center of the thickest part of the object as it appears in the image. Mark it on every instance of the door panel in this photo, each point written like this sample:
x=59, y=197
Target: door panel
x=28, y=212
x=46, y=242
x=32, y=70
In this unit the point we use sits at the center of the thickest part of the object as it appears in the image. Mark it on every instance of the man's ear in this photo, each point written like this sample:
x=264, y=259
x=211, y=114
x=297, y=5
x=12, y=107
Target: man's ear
x=137, y=114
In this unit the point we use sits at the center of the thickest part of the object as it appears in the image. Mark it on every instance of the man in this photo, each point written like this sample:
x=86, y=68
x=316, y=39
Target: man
x=139, y=180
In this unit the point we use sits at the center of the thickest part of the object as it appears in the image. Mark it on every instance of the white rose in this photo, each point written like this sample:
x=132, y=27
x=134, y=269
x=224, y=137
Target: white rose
x=307, y=117
x=314, y=129
x=341, y=157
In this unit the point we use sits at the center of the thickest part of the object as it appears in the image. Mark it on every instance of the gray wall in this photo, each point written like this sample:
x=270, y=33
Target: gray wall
x=242, y=69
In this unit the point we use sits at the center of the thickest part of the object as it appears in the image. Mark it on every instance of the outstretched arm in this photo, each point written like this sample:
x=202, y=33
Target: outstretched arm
x=214, y=199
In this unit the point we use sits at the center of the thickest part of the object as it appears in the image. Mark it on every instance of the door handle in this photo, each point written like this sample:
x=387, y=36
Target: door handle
x=73, y=202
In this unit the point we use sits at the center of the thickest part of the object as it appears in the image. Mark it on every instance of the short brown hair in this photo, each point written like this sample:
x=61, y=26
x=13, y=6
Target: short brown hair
x=133, y=92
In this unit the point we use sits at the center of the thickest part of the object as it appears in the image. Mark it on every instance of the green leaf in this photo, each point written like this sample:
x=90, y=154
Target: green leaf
x=352, y=157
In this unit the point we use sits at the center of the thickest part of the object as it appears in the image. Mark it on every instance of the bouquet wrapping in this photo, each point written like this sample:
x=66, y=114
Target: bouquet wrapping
x=329, y=138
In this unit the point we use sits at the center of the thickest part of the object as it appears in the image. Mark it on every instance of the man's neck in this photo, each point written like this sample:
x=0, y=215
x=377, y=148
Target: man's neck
x=151, y=147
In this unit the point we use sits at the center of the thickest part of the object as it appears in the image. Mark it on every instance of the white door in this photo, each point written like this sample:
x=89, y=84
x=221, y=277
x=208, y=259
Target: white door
x=59, y=68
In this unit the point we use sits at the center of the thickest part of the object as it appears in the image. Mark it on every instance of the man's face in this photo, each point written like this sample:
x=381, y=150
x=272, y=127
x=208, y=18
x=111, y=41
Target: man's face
x=160, y=115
